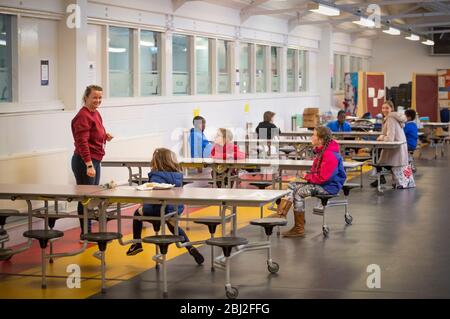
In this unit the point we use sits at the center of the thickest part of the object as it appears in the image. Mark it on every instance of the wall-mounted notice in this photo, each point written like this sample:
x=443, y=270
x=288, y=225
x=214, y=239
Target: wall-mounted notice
x=44, y=72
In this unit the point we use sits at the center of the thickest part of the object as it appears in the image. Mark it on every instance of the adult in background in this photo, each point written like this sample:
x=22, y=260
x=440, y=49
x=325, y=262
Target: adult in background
x=395, y=159
x=90, y=138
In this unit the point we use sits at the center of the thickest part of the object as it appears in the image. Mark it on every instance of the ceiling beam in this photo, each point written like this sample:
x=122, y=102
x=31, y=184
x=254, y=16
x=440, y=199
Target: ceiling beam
x=431, y=24
x=331, y=21
x=295, y=22
x=176, y=4
x=246, y=11
x=417, y=15
x=435, y=31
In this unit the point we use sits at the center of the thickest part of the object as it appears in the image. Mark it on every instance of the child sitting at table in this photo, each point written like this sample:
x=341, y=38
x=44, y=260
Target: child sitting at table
x=164, y=169
x=225, y=149
x=199, y=144
x=327, y=176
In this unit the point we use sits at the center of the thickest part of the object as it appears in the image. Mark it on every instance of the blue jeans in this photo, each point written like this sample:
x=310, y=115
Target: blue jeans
x=79, y=171
x=154, y=210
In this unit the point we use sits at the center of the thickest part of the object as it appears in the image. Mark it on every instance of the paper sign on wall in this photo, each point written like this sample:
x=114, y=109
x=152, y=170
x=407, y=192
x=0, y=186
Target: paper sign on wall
x=246, y=107
x=196, y=111
x=375, y=102
x=380, y=94
x=44, y=72
x=371, y=92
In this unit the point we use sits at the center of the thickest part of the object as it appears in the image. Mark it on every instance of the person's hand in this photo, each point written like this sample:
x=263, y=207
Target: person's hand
x=109, y=137
x=304, y=175
x=380, y=138
x=91, y=172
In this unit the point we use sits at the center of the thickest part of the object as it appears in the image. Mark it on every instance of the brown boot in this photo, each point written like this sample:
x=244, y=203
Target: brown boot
x=282, y=209
x=299, y=226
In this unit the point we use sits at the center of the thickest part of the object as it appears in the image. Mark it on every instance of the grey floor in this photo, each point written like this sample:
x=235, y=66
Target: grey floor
x=405, y=232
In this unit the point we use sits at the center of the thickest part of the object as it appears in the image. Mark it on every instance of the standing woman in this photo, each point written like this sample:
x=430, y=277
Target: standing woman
x=90, y=138
x=392, y=131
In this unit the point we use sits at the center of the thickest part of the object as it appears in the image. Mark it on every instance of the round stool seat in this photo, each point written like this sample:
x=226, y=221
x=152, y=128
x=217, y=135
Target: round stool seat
x=261, y=185
x=362, y=158
x=7, y=212
x=211, y=222
x=162, y=239
x=263, y=222
x=43, y=235
x=101, y=238
x=287, y=150
x=227, y=241
x=324, y=198
x=5, y=253
x=348, y=187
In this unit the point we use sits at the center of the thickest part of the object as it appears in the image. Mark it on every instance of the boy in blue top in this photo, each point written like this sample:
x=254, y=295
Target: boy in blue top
x=200, y=146
x=411, y=131
x=340, y=125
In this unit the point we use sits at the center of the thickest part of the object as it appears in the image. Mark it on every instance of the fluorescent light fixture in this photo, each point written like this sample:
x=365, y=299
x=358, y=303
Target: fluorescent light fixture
x=364, y=22
x=428, y=42
x=392, y=31
x=413, y=37
x=324, y=9
x=3, y=42
x=117, y=50
x=146, y=43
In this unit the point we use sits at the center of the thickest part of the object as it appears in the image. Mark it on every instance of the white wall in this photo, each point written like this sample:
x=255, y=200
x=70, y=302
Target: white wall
x=400, y=58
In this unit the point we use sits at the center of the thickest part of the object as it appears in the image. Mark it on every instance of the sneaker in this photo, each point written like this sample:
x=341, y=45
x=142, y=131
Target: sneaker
x=196, y=254
x=134, y=249
x=98, y=255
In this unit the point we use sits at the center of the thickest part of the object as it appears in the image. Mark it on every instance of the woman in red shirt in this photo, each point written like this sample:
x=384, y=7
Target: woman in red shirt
x=90, y=138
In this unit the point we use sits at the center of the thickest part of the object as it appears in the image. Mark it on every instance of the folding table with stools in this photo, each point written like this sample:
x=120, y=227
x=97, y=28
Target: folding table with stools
x=223, y=197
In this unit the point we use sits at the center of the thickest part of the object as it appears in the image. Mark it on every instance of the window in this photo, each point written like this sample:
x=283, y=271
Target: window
x=244, y=75
x=149, y=63
x=120, y=62
x=5, y=59
x=339, y=70
x=275, y=66
x=290, y=70
x=260, y=68
x=355, y=64
x=302, y=70
x=223, y=66
x=203, y=70
x=180, y=62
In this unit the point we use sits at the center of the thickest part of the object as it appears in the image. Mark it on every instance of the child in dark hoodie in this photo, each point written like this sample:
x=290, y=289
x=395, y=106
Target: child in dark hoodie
x=164, y=169
x=327, y=176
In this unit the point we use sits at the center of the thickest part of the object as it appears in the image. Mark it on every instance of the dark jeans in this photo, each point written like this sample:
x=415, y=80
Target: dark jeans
x=79, y=170
x=154, y=210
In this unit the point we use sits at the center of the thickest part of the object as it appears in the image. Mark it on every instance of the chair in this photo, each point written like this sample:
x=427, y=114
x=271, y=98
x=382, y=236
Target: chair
x=43, y=236
x=163, y=242
x=102, y=239
x=227, y=244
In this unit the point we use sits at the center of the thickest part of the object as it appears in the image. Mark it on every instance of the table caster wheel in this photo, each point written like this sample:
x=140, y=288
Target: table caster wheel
x=348, y=219
x=273, y=267
x=325, y=231
x=232, y=293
